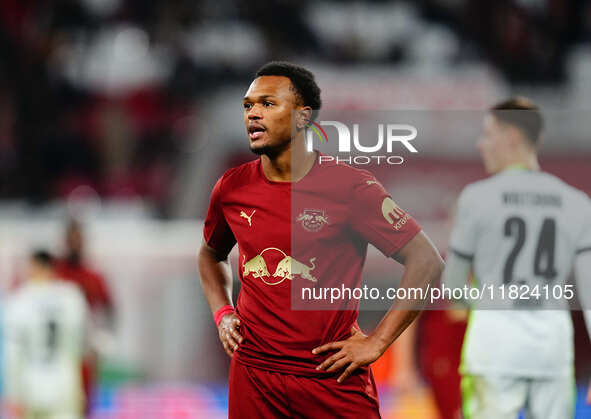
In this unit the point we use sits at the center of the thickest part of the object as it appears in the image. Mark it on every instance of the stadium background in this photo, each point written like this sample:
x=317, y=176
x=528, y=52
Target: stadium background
x=124, y=112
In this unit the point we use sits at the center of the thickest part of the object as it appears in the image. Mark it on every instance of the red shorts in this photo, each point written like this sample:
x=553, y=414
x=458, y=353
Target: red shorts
x=266, y=394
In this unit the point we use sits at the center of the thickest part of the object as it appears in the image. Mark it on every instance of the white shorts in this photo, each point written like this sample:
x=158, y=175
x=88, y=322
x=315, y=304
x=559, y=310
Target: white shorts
x=502, y=397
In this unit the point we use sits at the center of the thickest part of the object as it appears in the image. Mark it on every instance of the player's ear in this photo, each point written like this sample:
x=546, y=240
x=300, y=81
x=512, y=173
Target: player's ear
x=303, y=117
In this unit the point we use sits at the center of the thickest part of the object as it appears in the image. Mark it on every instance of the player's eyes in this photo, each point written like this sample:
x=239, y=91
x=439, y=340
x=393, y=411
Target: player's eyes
x=249, y=105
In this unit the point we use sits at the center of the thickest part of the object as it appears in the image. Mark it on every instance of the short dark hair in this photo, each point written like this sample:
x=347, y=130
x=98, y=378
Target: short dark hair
x=522, y=113
x=302, y=81
x=42, y=257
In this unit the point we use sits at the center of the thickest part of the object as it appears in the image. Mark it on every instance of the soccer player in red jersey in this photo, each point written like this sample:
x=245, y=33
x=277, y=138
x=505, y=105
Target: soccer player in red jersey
x=298, y=224
x=73, y=268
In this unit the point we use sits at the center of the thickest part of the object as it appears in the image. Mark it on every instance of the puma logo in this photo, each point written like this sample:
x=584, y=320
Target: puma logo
x=371, y=182
x=248, y=217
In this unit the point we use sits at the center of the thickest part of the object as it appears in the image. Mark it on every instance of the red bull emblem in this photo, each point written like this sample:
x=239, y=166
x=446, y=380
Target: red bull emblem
x=394, y=214
x=312, y=219
x=287, y=268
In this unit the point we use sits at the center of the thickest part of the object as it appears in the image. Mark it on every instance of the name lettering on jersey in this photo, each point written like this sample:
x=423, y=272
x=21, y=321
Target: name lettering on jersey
x=312, y=219
x=248, y=217
x=285, y=269
x=394, y=214
x=532, y=198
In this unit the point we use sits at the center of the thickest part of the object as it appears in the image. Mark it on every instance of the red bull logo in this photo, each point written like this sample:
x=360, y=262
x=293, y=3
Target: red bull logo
x=393, y=213
x=312, y=219
x=256, y=266
x=287, y=268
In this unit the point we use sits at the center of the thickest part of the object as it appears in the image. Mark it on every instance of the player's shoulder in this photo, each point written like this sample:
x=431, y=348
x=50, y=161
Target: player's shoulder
x=478, y=191
x=484, y=189
x=247, y=168
x=65, y=289
x=23, y=292
x=65, y=286
x=11, y=307
x=239, y=175
x=343, y=174
x=70, y=293
x=575, y=197
x=19, y=299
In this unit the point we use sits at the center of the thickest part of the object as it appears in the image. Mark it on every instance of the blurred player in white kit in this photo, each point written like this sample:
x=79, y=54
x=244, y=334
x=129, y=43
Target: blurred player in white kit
x=45, y=329
x=526, y=229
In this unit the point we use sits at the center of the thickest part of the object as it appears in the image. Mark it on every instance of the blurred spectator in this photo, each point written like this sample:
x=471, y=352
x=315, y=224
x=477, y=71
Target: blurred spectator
x=85, y=80
x=72, y=267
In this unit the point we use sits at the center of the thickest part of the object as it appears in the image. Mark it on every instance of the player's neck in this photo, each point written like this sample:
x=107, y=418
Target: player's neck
x=527, y=161
x=40, y=279
x=289, y=166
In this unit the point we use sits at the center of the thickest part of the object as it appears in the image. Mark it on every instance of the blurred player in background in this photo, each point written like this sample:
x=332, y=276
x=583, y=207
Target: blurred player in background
x=310, y=363
x=439, y=346
x=526, y=227
x=73, y=268
x=45, y=324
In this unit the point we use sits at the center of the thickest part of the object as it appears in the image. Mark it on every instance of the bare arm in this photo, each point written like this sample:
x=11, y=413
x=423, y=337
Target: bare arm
x=216, y=280
x=423, y=265
x=456, y=274
x=216, y=277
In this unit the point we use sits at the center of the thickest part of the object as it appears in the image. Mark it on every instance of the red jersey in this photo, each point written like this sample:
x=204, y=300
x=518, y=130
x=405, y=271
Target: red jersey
x=90, y=282
x=291, y=235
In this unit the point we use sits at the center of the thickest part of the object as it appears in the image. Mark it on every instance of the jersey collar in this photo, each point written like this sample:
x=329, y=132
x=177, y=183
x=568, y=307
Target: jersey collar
x=516, y=167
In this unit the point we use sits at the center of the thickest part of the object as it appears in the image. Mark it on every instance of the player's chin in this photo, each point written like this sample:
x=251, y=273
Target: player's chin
x=260, y=148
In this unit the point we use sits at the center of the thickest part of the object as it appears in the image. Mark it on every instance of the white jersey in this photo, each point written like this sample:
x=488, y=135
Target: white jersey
x=45, y=326
x=521, y=227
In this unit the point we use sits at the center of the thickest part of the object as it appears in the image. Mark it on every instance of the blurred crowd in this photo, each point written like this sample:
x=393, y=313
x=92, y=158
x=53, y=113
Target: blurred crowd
x=98, y=96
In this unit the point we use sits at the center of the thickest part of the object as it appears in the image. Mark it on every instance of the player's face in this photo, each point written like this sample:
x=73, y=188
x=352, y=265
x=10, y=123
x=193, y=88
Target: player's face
x=494, y=144
x=268, y=106
x=74, y=240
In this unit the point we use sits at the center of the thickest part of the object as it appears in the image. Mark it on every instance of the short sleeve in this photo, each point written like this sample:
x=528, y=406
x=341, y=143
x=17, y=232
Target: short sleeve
x=584, y=242
x=378, y=219
x=465, y=230
x=216, y=231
